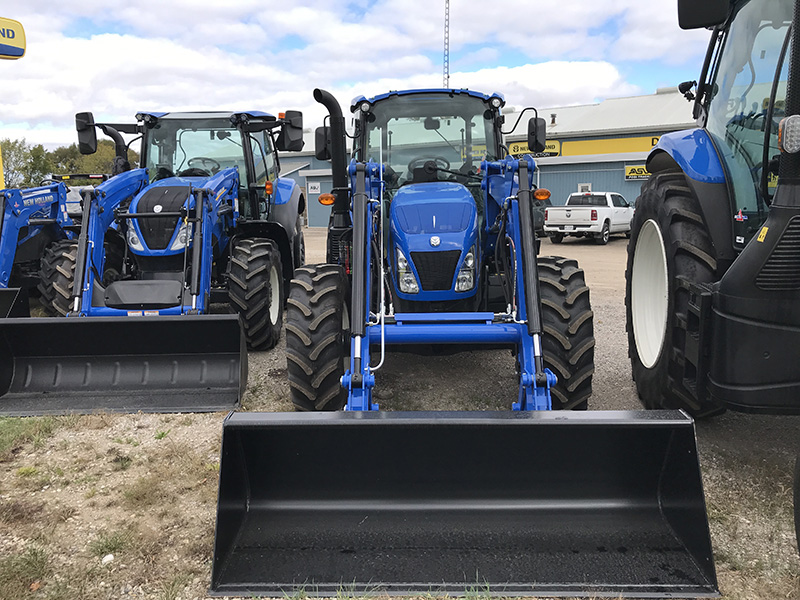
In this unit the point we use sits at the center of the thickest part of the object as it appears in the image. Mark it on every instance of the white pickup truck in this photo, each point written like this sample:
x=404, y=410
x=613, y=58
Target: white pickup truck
x=595, y=214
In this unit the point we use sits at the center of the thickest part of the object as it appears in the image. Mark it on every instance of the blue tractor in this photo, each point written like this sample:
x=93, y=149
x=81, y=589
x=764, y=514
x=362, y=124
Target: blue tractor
x=206, y=220
x=446, y=256
x=432, y=242
x=713, y=274
x=33, y=219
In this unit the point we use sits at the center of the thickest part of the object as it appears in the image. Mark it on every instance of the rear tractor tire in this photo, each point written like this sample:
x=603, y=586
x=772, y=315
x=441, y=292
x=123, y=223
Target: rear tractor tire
x=316, y=337
x=57, y=276
x=255, y=290
x=670, y=248
x=568, y=339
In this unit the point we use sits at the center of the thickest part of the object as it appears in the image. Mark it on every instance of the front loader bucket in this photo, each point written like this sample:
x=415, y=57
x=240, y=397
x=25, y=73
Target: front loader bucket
x=550, y=503
x=121, y=364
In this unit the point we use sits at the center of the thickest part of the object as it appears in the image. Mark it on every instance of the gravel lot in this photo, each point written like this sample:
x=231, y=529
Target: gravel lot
x=75, y=490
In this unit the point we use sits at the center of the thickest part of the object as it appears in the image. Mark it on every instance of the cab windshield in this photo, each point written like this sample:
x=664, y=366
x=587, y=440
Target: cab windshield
x=192, y=148
x=454, y=132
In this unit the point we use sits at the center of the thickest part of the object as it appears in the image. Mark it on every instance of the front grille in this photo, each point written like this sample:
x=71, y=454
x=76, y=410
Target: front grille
x=436, y=269
x=781, y=272
x=158, y=231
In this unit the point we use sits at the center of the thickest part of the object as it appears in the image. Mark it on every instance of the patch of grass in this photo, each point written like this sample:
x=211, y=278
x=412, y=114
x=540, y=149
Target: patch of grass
x=19, y=511
x=19, y=571
x=160, y=435
x=109, y=542
x=171, y=588
x=27, y=472
x=16, y=431
x=144, y=492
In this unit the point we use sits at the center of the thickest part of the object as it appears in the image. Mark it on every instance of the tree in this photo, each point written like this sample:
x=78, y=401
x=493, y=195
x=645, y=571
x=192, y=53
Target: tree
x=24, y=165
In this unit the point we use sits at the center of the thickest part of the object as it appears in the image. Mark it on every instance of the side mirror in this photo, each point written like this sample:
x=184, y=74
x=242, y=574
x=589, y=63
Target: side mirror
x=87, y=136
x=322, y=143
x=693, y=14
x=290, y=138
x=537, y=133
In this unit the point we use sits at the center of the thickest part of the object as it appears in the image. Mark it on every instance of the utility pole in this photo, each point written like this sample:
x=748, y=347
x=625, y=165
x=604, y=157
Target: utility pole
x=446, y=63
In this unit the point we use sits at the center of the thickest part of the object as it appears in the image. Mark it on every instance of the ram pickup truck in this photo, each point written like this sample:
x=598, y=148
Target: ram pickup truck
x=589, y=214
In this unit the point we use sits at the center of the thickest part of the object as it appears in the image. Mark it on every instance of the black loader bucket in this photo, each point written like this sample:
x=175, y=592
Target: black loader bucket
x=551, y=504
x=121, y=364
x=14, y=302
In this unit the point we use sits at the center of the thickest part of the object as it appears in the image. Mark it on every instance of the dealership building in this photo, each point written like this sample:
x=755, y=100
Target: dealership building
x=595, y=147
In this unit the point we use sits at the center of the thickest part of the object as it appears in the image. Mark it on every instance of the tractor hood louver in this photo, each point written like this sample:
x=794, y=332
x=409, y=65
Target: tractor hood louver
x=157, y=232
x=429, y=208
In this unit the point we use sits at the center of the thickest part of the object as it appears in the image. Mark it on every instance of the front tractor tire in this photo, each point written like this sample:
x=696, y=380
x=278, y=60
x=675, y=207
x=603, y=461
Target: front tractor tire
x=57, y=276
x=568, y=339
x=255, y=290
x=316, y=337
x=670, y=248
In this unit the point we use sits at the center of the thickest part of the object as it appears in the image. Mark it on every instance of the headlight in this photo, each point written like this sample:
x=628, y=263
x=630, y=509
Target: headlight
x=134, y=243
x=180, y=240
x=405, y=277
x=465, y=280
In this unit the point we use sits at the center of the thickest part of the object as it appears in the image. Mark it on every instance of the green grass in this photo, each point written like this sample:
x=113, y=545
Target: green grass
x=109, y=542
x=14, y=432
x=18, y=571
x=160, y=435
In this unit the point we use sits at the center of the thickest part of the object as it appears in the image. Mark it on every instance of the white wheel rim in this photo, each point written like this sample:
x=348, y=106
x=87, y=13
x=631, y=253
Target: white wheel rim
x=274, y=295
x=649, y=294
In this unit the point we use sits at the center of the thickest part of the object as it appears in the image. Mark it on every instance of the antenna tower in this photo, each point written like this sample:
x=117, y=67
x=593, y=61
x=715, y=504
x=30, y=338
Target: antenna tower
x=446, y=63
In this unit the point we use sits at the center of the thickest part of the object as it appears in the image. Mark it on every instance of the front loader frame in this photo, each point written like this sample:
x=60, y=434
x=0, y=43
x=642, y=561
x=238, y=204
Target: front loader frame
x=520, y=327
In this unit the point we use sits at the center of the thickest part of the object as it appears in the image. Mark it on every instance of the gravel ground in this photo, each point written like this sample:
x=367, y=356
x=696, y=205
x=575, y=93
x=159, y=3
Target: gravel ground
x=141, y=488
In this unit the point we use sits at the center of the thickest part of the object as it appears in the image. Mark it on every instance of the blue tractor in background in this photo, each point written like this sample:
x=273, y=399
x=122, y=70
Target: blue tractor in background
x=32, y=220
x=206, y=219
x=433, y=242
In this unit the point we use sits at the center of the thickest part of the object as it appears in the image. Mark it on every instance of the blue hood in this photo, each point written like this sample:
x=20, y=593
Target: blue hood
x=433, y=225
x=429, y=208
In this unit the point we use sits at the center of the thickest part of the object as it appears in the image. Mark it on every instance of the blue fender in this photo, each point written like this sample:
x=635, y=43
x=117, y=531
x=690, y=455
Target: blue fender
x=694, y=152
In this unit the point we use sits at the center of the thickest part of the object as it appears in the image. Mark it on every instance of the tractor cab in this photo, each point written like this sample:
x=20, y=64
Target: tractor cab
x=431, y=144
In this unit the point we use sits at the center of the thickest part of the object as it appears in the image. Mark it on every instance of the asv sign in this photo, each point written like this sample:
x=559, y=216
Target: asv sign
x=12, y=39
x=634, y=172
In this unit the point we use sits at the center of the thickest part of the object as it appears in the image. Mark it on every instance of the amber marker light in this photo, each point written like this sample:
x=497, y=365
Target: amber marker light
x=268, y=188
x=281, y=116
x=327, y=199
x=541, y=194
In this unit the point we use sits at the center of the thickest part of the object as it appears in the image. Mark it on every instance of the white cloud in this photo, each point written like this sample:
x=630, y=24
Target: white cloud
x=246, y=54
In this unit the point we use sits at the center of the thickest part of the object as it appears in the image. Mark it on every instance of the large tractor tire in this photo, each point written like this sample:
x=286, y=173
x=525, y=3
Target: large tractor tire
x=316, y=337
x=255, y=290
x=670, y=248
x=568, y=340
x=57, y=276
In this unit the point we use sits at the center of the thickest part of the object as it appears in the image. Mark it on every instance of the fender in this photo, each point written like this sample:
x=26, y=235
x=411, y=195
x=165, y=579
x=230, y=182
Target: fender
x=693, y=153
x=287, y=205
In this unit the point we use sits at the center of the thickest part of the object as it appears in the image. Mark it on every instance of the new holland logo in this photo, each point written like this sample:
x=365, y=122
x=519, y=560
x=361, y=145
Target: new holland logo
x=12, y=39
x=435, y=241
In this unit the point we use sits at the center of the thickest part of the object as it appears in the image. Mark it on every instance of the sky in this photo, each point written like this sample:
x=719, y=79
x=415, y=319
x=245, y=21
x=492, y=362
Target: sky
x=118, y=59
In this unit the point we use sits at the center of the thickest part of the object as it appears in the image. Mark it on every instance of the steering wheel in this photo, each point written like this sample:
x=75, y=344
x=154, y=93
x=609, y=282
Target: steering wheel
x=439, y=161
x=203, y=162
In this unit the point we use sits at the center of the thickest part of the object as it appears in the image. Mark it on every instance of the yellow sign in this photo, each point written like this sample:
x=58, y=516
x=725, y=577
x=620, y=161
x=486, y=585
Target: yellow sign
x=635, y=172
x=609, y=146
x=551, y=148
x=12, y=39
x=762, y=235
